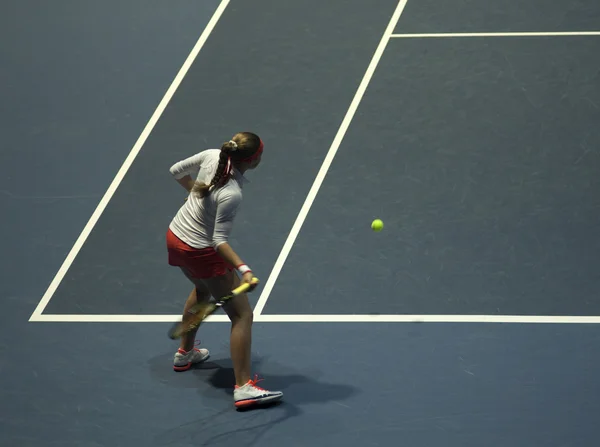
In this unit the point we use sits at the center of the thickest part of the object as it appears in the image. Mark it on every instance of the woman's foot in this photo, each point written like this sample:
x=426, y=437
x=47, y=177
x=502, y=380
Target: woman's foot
x=250, y=394
x=183, y=360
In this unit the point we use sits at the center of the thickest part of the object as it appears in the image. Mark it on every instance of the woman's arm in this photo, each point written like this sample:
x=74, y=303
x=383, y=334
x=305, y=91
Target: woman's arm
x=227, y=253
x=187, y=182
x=226, y=211
x=182, y=170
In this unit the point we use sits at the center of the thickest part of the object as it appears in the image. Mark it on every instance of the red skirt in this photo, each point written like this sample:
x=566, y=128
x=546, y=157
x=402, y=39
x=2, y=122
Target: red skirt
x=200, y=262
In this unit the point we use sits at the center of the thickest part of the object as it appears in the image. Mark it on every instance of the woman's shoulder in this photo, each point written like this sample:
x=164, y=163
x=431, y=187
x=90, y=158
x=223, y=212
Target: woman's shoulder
x=209, y=153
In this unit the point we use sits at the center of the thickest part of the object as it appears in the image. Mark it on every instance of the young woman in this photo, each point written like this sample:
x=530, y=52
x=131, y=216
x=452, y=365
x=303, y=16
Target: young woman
x=197, y=244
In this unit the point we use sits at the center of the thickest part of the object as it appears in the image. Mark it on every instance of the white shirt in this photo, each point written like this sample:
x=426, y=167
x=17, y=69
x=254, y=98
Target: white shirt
x=206, y=222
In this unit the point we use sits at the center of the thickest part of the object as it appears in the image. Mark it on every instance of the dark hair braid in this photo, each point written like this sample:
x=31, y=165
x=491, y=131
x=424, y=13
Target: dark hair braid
x=219, y=177
x=241, y=146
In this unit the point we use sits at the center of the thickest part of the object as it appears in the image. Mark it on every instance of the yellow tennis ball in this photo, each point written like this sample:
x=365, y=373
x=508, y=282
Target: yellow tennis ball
x=377, y=225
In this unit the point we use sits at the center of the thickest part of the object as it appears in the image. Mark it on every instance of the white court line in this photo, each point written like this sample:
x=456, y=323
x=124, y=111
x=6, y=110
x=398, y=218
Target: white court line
x=523, y=319
x=37, y=313
x=427, y=319
x=513, y=34
x=285, y=251
x=121, y=318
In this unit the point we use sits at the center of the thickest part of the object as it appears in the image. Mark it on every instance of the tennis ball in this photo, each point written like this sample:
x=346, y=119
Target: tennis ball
x=377, y=225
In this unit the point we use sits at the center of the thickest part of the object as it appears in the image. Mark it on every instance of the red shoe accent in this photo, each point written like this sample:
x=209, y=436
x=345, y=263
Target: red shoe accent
x=245, y=403
x=189, y=365
x=182, y=368
x=253, y=383
x=196, y=343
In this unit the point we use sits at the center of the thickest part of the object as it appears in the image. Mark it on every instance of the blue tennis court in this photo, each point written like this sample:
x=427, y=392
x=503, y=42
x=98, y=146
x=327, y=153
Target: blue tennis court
x=469, y=128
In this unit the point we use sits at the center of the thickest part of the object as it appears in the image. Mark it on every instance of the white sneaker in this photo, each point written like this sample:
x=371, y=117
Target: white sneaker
x=184, y=360
x=250, y=394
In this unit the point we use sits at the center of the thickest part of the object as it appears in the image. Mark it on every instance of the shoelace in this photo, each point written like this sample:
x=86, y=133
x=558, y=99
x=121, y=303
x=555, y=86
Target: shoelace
x=255, y=381
x=196, y=343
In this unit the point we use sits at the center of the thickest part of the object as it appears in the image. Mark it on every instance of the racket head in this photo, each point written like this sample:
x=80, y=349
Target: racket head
x=195, y=316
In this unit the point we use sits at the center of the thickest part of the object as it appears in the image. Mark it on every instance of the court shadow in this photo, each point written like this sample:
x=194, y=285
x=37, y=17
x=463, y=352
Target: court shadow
x=215, y=379
x=299, y=387
x=161, y=370
x=221, y=424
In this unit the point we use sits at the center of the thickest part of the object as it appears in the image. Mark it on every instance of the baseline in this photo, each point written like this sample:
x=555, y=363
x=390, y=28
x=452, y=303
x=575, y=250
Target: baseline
x=522, y=319
x=507, y=34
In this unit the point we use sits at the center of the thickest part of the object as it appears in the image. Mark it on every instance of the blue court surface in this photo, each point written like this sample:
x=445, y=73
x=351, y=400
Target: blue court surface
x=469, y=127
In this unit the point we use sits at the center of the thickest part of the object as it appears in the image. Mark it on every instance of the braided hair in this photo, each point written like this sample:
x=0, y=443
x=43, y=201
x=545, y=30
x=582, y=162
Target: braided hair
x=242, y=146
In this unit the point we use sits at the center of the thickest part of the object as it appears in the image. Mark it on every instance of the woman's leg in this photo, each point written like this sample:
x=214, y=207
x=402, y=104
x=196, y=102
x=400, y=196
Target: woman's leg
x=199, y=294
x=186, y=354
x=240, y=313
x=246, y=393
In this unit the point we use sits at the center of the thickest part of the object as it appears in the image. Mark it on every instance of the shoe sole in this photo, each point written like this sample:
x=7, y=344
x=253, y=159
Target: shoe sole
x=255, y=402
x=181, y=368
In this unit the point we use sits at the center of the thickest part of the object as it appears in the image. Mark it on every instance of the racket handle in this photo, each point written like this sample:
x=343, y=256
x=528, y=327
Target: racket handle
x=245, y=287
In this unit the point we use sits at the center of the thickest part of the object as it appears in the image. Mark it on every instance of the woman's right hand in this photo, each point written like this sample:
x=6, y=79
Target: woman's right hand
x=247, y=279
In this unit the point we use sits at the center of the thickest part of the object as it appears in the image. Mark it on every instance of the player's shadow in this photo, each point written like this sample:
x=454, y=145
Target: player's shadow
x=215, y=379
x=297, y=387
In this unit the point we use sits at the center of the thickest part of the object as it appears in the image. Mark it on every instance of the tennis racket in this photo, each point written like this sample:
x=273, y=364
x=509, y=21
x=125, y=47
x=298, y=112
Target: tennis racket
x=199, y=312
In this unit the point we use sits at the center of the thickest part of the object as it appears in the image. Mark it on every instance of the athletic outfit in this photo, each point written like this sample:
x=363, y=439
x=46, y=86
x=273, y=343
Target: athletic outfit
x=202, y=224
x=198, y=228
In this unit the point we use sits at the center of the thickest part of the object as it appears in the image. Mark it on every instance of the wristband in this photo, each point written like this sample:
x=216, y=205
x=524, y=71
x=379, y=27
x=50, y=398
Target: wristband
x=243, y=268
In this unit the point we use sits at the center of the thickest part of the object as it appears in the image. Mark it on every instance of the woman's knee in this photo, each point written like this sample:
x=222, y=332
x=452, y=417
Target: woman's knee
x=248, y=316
x=239, y=310
x=244, y=319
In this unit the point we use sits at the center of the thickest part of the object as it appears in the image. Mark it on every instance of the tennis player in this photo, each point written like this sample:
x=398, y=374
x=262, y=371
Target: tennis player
x=197, y=243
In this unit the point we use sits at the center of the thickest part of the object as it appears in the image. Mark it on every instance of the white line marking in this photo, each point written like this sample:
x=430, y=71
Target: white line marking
x=523, y=319
x=514, y=34
x=426, y=319
x=119, y=318
x=285, y=251
x=127, y=164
